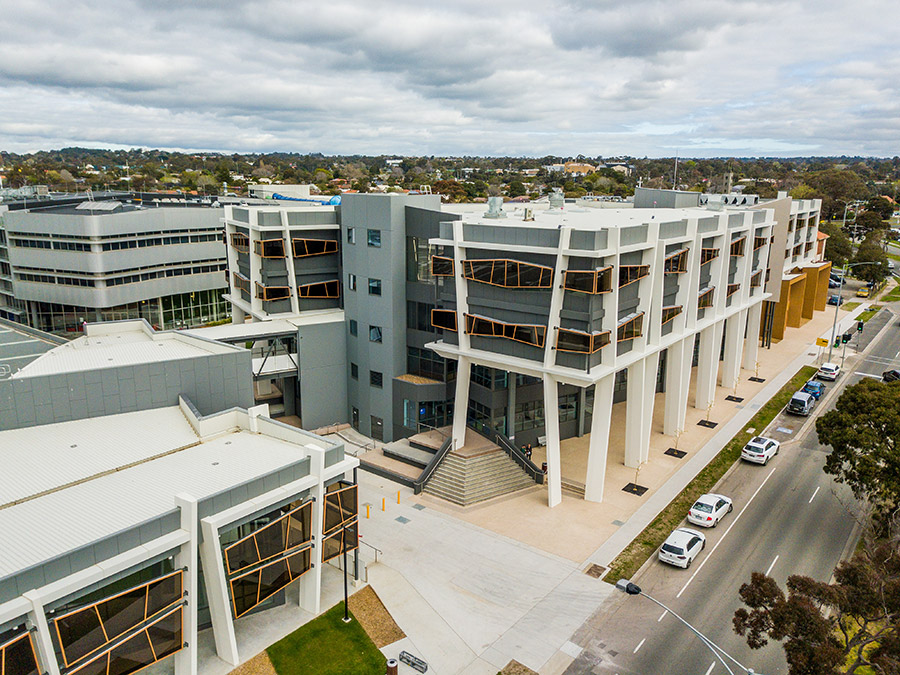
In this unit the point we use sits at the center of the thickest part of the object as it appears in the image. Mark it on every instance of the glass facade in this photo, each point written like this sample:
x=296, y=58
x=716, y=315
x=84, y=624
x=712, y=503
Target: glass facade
x=17, y=655
x=418, y=259
x=528, y=334
x=340, y=529
x=425, y=363
x=479, y=417
x=508, y=273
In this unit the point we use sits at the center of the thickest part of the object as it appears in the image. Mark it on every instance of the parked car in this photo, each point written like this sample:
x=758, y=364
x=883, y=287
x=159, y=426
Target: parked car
x=760, y=450
x=681, y=547
x=835, y=300
x=801, y=403
x=814, y=389
x=829, y=371
x=890, y=376
x=863, y=292
x=833, y=284
x=709, y=509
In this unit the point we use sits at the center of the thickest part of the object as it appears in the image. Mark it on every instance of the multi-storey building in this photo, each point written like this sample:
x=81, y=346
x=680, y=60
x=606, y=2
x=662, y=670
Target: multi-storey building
x=64, y=265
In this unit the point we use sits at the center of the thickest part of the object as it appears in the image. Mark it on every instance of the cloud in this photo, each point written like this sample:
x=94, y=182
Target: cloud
x=593, y=77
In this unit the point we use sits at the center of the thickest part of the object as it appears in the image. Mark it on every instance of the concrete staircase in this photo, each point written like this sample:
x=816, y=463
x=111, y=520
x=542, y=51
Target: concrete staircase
x=467, y=478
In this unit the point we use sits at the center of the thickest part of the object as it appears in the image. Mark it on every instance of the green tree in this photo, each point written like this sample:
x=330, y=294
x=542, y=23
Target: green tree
x=871, y=251
x=881, y=206
x=516, y=188
x=867, y=221
x=863, y=431
x=454, y=191
x=838, y=248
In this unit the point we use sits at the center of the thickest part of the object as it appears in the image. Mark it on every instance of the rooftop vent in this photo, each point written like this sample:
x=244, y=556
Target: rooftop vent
x=495, y=208
x=529, y=215
x=557, y=200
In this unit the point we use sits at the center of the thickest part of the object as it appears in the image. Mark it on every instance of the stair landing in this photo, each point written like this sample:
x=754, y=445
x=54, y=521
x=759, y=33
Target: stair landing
x=475, y=446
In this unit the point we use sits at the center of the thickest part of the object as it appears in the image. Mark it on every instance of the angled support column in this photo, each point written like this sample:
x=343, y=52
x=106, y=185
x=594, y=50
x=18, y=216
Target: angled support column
x=186, y=659
x=734, y=342
x=651, y=366
x=708, y=365
x=634, y=413
x=551, y=429
x=751, y=344
x=43, y=643
x=599, y=445
x=216, y=583
x=678, y=379
x=311, y=582
x=461, y=402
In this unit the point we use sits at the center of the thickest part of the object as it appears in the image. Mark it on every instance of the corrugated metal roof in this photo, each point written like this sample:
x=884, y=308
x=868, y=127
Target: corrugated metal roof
x=20, y=345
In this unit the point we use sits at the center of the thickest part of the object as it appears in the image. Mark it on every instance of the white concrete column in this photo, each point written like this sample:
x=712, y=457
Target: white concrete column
x=751, y=344
x=186, y=659
x=311, y=582
x=216, y=584
x=238, y=315
x=43, y=644
x=734, y=341
x=551, y=430
x=677, y=384
x=599, y=445
x=634, y=413
x=461, y=401
x=651, y=365
x=708, y=365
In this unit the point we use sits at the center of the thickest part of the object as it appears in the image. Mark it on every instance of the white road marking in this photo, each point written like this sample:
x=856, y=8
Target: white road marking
x=772, y=565
x=640, y=644
x=662, y=616
x=814, y=496
x=710, y=669
x=733, y=522
x=877, y=377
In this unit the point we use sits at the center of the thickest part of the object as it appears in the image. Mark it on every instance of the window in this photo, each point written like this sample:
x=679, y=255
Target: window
x=528, y=334
x=354, y=371
x=508, y=273
x=706, y=298
x=239, y=242
x=737, y=247
x=732, y=289
x=320, y=289
x=676, y=263
x=628, y=274
x=273, y=539
x=409, y=414
x=354, y=418
x=489, y=378
x=480, y=418
x=669, y=313
x=759, y=242
x=441, y=267
x=354, y=327
x=568, y=407
x=374, y=333
x=594, y=282
x=241, y=282
x=374, y=286
x=425, y=363
x=529, y=415
x=268, y=293
x=351, y=235
x=377, y=432
x=351, y=282
x=303, y=248
x=630, y=327
x=756, y=279
x=568, y=340
x=418, y=316
x=445, y=319
x=418, y=255
x=376, y=379
x=269, y=248
x=18, y=657
x=373, y=238
x=708, y=255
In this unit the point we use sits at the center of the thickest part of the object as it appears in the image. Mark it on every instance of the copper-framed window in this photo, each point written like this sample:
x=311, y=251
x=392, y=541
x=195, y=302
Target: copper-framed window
x=340, y=527
x=334, y=544
x=676, y=263
x=708, y=255
x=508, y=273
x=445, y=319
x=320, y=289
x=241, y=282
x=441, y=266
x=240, y=242
x=737, y=247
x=304, y=248
x=269, y=248
x=628, y=274
x=93, y=630
x=594, y=282
x=630, y=328
x=670, y=312
x=756, y=279
x=759, y=242
x=291, y=530
x=732, y=289
x=272, y=292
x=580, y=342
x=706, y=297
x=248, y=589
x=526, y=333
x=18, y=657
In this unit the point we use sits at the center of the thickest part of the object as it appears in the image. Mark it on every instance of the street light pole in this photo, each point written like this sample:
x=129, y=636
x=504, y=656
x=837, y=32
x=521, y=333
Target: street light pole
x=633, y=589
x=847, y=267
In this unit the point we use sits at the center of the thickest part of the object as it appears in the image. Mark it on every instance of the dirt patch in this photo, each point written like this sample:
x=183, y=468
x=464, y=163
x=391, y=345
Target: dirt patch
x=516, y=668
x=374, y=618
x=258, y=665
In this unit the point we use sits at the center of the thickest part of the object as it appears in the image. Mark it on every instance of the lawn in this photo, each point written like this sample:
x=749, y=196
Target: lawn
x=638, y=551
x=850, y=306
x=327, y=646
x=893, y=296
x=869, y=313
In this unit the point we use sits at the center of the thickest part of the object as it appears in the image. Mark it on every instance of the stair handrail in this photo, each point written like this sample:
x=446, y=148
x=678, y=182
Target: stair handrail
x=515, y=454
x=377, y=550
x=425, y=476
x=422, y=425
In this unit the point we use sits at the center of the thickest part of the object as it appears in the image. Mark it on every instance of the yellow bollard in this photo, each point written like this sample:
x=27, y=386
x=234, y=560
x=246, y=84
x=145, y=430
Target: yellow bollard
x=367, y=511
x=398, y=496
x=382, y=503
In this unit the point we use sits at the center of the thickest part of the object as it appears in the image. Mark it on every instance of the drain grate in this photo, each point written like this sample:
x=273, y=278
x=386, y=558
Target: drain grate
x=734, y=399
x=635, y=489
x=672, y=452
x=401, y=519
x=595, y=571
x=757, y=379
x=709, y=424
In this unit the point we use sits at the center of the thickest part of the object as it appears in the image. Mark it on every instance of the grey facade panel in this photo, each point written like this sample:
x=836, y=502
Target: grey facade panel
x=322, y=354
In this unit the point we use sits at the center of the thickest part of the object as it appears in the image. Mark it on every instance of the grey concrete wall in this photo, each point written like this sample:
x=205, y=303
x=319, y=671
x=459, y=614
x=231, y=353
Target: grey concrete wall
x=322, y=353
x=213, y=382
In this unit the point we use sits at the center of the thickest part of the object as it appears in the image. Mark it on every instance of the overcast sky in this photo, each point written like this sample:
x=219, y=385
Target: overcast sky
x=476, y=77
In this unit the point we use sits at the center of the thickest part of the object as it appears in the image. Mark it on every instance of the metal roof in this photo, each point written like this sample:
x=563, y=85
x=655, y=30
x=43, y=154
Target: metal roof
x=20, y=345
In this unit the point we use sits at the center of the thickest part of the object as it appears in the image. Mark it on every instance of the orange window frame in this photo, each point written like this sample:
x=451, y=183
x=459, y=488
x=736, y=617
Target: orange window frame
x=252, y=535
x=262, y=292
x=737, y=247
x=344, y=521
x=622, y=336
x=625, y=274
x=601, y=281
x=506, y=330
x=756, y=279
x=759, y=242
x=676, y=263
x=707, y=255
x=499, y=268
x=260, y=246
x=732, y=289
x=442, y=259
x=596, y=341
x=256, y=570
x=241, y=282
x=9, y=643
x=330, y=246
x=670, y=312
x=332, y=289
x=240, y=242
x=444, y=312
x=706, y=298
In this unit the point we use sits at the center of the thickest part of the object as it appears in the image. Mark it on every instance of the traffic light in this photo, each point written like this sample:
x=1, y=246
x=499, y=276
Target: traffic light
x=837, y=342
x=845, y=338
x=859, y=326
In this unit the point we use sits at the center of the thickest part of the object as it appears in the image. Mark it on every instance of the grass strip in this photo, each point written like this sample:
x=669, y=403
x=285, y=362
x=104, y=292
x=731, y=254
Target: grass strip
x=629, y=561
x=893, y=296
x=869, y=313
x=327, y=646
x=850, y=306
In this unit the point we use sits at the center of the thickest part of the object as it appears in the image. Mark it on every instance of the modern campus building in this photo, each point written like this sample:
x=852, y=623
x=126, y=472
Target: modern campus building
x=62, y=265
x=143, y=500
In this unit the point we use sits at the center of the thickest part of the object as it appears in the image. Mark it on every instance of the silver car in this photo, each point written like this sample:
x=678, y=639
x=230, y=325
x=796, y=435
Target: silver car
x=682, y=547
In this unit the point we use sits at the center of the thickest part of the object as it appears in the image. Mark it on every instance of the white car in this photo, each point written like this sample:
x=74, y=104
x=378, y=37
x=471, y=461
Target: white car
x=829, y=371
x=682, y=547
x=709, y=509
x=760, y=450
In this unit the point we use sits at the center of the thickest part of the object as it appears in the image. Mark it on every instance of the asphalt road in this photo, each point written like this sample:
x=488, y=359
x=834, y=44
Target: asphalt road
x=789, y=518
